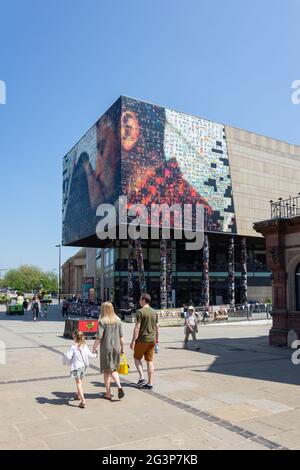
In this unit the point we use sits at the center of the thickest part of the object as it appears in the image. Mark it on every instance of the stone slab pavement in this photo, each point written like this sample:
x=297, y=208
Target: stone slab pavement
x=237, y=392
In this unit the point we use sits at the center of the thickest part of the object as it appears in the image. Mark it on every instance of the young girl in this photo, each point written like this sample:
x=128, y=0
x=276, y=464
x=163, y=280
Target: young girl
x=190, y=327
x=78, y=355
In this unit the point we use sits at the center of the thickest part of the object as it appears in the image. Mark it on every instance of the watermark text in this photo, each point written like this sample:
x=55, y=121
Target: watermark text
x=2, y=92
x=296, y=93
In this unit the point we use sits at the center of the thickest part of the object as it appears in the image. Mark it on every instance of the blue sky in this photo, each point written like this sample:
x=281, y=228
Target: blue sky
x=65, y=61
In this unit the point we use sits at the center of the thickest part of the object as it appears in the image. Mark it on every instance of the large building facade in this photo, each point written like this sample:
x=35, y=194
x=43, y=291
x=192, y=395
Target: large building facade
x=152, y=154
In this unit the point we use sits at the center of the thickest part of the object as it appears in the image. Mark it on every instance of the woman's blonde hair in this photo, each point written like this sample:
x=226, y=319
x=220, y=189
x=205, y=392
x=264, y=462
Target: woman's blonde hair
x=107, y=314
x=78, y=337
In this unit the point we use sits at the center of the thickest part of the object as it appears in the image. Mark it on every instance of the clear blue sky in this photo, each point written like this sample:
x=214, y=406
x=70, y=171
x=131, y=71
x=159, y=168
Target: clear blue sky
x=65, y=61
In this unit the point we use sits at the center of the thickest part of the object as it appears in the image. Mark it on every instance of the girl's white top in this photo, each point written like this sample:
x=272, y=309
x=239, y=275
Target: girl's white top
x=79, y=357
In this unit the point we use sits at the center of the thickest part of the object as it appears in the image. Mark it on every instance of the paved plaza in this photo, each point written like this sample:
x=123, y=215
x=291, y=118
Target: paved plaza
x=237, y=392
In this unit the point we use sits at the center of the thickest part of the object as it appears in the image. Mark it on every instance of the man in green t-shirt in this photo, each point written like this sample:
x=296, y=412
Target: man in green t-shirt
x=145, y=337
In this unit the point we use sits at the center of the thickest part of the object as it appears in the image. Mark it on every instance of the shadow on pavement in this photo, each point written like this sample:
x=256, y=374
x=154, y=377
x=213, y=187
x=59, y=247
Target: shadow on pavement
x=64, y=398
x=250, y=357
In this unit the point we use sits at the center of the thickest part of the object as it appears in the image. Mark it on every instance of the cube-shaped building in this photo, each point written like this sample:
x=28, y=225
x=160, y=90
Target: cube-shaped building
x=153, y=154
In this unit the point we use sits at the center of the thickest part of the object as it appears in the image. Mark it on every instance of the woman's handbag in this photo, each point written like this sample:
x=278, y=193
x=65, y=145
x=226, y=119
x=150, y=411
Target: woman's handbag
x=123, y=368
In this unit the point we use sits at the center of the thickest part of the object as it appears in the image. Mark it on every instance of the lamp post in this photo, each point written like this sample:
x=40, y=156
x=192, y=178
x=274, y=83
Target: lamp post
x=59, y=269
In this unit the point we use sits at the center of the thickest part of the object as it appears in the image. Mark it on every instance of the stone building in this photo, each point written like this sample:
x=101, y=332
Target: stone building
x=282, y=236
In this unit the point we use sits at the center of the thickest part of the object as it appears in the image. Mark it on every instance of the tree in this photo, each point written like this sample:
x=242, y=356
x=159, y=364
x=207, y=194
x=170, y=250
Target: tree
x=28, y=278
x=50, y=281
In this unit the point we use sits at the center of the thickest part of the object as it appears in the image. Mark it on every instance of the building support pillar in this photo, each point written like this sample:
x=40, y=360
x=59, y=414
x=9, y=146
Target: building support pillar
x=140, y=265
x=205, y=274
x=169, y=273
x=130, y=274
x=102, y=276
x=163, y=274
x=231, y=273
x=244, y=290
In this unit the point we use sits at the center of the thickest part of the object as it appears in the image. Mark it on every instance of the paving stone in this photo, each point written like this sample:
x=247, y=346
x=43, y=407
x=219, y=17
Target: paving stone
x=15, y=416
x=226, y=435
x=239, y=412
x=269, y=406
x=44, y=427
x=289, y=439
x=28, y=444
x=81, y=440
x=170, y=442
x=8, y=433
x=262, y=429
x=288, y=420
x=141, y=429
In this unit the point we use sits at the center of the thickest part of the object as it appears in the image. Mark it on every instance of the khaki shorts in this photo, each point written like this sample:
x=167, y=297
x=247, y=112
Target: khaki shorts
x=144, y=349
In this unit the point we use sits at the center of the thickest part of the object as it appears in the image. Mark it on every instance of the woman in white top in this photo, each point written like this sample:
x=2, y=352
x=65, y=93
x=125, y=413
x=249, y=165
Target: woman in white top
x=78, y=356
x=190, y=327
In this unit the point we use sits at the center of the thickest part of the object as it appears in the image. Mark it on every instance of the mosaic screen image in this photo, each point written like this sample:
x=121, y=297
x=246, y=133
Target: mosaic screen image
x=91, y=176
x=152, y=155
x=170, y=157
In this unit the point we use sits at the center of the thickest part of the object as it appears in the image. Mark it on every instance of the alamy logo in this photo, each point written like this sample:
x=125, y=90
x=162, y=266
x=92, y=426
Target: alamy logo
x=2, y=92
x=296, y=354
x=145, y=222
x=296, y=93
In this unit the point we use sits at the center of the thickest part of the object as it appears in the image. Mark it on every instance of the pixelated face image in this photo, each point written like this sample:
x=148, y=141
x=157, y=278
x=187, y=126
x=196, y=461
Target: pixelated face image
x=129, y=130
x=174, y=158
x=91, y=176
x=107, y=160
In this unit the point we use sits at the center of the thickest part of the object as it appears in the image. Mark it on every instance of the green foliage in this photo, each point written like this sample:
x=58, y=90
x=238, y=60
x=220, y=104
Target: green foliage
x=3, y=298
x=30, y=278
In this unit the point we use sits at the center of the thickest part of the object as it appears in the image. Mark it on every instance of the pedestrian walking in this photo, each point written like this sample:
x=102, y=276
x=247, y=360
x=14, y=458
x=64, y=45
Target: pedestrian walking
x=65, y=306
x=190, y=327
x=78, y=357
x=111, y=340
x=144, y=340
x=20, y=298
x=35, y=307
x=25, y=305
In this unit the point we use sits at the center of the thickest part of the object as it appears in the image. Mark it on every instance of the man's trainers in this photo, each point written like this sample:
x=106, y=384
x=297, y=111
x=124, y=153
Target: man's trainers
x=147, y=387
x=141, y=383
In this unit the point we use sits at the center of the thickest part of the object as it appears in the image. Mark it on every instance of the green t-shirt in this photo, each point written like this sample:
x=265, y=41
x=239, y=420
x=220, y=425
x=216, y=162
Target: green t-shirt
x=147, y=317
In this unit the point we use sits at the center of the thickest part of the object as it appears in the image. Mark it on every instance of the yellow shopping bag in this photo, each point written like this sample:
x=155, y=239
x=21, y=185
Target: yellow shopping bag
x=123, y=369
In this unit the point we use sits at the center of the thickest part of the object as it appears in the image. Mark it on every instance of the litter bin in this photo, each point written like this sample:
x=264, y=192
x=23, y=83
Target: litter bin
x=87, y=325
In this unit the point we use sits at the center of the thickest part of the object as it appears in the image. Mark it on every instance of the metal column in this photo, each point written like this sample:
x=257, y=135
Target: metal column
x=231, y=273
x=163, y=274
x=244, y=291
x=140, y=264
x=205, y=274
x=130, y=274
x=169, y=273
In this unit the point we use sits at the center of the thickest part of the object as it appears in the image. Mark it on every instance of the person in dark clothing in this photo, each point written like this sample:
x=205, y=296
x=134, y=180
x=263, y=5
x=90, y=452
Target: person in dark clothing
x=65, y=306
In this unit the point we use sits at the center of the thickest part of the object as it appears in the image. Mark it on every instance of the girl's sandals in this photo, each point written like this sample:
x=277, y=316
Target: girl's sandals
x=120, y=393
x=81, y=405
